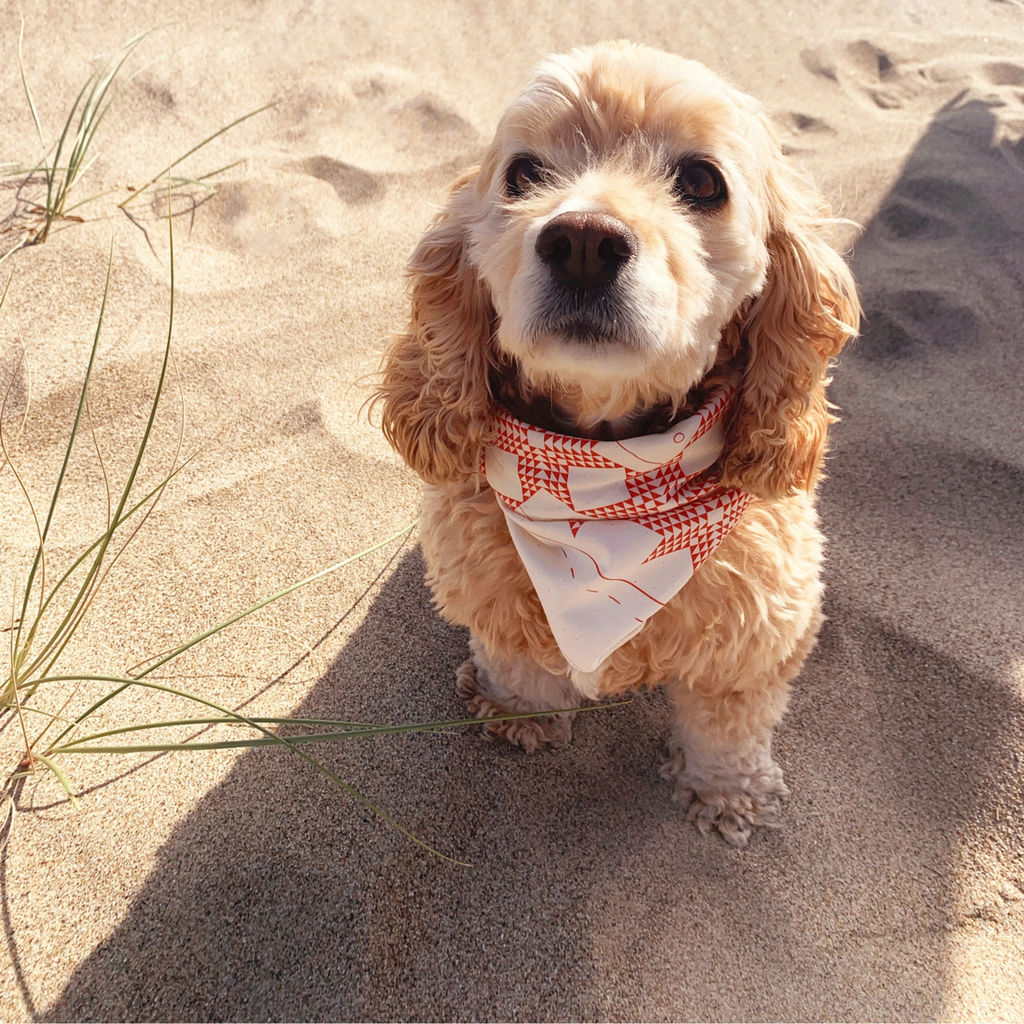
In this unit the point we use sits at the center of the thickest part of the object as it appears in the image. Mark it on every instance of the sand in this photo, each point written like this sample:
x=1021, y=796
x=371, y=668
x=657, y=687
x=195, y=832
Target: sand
x=242, y=885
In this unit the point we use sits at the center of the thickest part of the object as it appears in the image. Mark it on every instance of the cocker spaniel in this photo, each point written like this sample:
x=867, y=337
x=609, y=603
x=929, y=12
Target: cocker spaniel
x=613, y=385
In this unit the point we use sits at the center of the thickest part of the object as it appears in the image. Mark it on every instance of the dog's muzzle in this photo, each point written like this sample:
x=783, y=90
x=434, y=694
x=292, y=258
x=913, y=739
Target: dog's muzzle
x=585, y=254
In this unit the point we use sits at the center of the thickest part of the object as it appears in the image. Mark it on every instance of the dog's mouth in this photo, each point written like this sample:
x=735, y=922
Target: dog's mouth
x=596, y=318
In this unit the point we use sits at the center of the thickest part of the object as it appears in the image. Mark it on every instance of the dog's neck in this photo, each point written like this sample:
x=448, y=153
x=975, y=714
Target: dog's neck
x=563, y=416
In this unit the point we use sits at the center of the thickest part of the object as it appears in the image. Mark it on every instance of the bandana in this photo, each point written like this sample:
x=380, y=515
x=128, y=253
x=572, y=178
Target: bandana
x=610, y=531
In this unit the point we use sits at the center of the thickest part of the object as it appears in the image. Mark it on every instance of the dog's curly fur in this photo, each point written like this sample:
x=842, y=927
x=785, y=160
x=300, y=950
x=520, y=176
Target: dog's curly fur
x=746, y=284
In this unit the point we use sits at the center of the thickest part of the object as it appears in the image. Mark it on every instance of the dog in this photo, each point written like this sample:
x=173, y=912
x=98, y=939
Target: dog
x=633, y=251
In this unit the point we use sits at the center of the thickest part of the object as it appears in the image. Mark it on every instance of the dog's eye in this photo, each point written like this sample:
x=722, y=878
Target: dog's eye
x=700, y=184
x=522, y=175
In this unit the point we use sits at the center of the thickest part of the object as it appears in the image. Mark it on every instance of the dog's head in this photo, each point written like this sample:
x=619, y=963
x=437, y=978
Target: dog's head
x=632, y=228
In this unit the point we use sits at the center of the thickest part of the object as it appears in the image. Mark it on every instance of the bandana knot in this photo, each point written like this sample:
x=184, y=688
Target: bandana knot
x=610, y=531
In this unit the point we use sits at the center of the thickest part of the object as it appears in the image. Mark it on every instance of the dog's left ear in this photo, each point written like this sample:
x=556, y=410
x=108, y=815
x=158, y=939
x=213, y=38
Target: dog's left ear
x=786, y=337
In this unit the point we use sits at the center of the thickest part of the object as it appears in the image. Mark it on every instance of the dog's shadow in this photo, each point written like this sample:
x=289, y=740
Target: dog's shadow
x=314, y=909
x=589, y=896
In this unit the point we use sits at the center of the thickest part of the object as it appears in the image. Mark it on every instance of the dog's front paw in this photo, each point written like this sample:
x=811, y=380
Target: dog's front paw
x=529, y=734
x=732, y=802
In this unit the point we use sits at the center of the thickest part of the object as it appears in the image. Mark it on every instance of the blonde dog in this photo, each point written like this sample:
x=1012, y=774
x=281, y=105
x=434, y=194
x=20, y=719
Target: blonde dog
x=633, y=238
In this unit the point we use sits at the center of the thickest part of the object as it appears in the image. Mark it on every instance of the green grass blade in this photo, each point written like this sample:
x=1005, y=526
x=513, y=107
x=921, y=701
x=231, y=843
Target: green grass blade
x=8, y=812
x=10, y=384
x=101, y=568
x=94, y=569
x=21, y=170
x=86, y=744
x=28, y=709
x=86, y=589
x=51, y=177
x=237, y=617
x=55, y=589
x=91, y=120
x=194, y=149
x=39, y=559
x=273, y=737
x=16, y=651
x=28, y=91
x=202, y=181
x=178, y=723
x=89, y=109
x=61, y=777
x=274, y=597
x=211, y=174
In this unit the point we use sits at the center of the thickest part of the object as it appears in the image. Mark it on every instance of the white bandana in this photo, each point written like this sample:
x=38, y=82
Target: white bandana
x=610, y=531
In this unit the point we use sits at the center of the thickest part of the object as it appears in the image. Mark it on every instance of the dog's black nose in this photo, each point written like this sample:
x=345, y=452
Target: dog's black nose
x=585, y=249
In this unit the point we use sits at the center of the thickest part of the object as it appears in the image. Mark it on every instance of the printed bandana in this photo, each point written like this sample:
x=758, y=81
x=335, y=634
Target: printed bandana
x=610, y=531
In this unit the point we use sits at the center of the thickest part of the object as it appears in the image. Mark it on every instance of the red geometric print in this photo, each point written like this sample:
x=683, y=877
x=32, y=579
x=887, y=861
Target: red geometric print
x=574, y=507
x=665, y=498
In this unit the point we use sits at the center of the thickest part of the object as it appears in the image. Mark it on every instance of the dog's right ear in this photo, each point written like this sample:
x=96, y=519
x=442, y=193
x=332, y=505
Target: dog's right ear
x=437, y=406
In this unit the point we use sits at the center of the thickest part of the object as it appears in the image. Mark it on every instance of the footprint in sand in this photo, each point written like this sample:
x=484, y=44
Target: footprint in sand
x=1001, y=73
x=901, y=323
x=880, y=80
x=300, y=419
x=932, y=208
x=431, y=140
x=352, y=184
x=871, y=60
x=395, y=99
x=800, y=124
x=155, y=91
x=427, y=116
x=319, y=107
x=819, y=64
x=805, y=130
x=258, y=217
x=905, y=219
x=371, y=127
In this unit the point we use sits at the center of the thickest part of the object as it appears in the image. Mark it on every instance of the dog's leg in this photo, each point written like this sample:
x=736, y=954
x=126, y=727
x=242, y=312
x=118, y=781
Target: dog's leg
x=492, y=685
x=720, y=749
x=721, y=760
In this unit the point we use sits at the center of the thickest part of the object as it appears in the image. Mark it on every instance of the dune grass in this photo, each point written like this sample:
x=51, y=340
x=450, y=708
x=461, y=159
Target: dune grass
x=90, y=108
x=63, y=164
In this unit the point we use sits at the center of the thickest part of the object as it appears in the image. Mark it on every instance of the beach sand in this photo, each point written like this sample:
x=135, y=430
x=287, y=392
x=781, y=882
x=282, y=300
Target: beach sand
x=244, y=886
